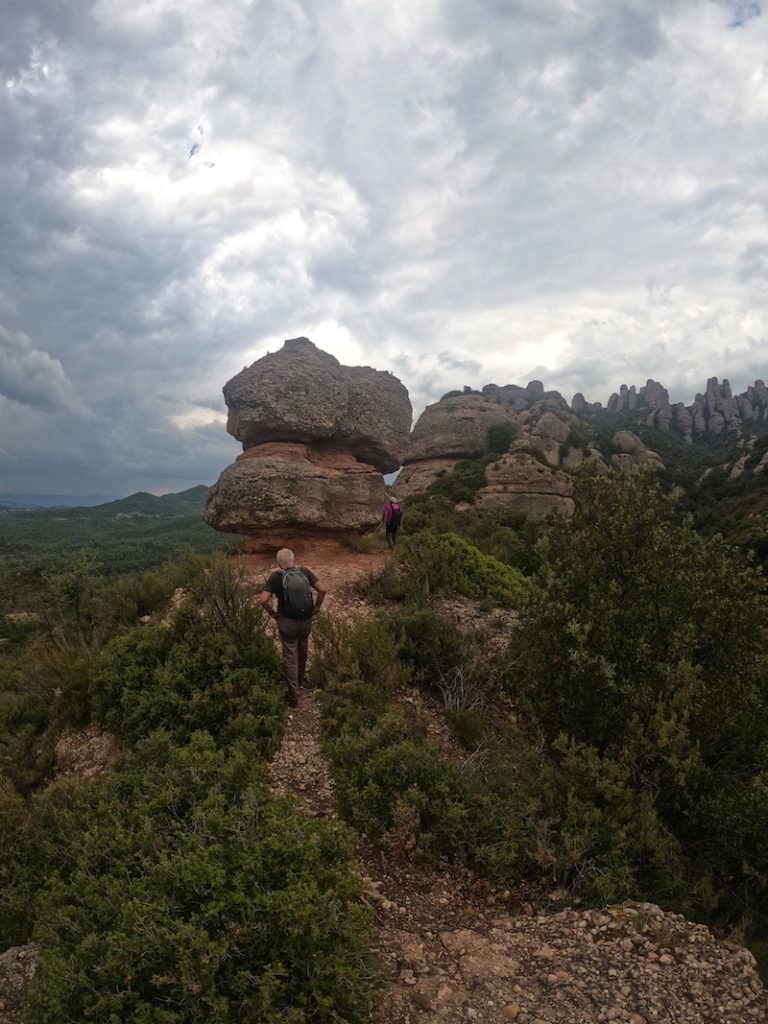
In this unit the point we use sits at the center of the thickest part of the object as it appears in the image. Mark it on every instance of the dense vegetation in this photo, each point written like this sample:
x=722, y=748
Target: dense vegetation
x=607, y=702
x=173, y=888
x=700, y=473
x=127, y=536
x=641, y=661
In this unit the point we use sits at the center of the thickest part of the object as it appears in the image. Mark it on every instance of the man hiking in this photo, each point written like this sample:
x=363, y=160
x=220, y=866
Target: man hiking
x=293, y=586
x=392, y=516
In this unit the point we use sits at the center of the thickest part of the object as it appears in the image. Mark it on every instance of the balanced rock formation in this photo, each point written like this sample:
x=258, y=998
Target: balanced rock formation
x=448, y=431
x=316, y=437
x=520, y=486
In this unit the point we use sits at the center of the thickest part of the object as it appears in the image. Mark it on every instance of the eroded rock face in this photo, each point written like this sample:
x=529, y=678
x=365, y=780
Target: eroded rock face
x=520, y=485
x=290, y=485
x=452, y=429
x=305, y=395
x=417, y=476
x=317, y=437
x=715, y=411
x=456, y=427
x=632, y=452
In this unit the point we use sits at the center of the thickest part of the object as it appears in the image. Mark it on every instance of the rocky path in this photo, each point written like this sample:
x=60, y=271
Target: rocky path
x=457, y=952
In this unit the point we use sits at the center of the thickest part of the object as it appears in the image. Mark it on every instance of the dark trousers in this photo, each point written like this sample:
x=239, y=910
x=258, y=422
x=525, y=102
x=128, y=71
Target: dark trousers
x=294, y=636
x=391, y=532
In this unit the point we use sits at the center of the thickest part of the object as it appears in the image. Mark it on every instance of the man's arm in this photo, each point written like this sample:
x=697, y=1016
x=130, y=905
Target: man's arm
x=265, y=600
x=321, y=592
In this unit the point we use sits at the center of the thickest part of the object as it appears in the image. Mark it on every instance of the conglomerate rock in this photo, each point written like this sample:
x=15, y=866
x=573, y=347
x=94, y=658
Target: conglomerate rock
x=304, y=394
x=452, y=429
x=456, y=427
x=317, y=437
x=520, y=485
x=632, y=452
x=294, y=485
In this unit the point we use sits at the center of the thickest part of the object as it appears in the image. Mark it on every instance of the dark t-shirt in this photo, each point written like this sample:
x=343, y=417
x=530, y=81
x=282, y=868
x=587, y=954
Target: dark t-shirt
x=275, y=586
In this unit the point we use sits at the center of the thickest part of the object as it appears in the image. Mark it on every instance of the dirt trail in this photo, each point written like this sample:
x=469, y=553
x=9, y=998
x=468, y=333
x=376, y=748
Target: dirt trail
x=458, y=952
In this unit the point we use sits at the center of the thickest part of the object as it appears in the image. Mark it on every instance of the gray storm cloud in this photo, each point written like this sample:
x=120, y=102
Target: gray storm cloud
x=33, y=377
x=458, y=191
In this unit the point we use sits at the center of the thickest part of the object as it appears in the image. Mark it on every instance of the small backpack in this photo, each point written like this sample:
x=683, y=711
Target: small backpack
x=297, y=594
x=395, y=514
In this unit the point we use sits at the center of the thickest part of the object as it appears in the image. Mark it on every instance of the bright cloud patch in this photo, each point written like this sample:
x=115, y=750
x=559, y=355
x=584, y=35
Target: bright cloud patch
x=33, y=377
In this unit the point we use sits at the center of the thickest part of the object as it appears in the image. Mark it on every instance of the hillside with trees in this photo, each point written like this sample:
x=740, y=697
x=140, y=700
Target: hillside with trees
x=570, y=711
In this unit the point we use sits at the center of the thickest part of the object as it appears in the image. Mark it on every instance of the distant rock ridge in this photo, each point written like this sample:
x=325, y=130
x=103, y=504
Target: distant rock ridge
x=316, y=438
x=553, y=438
x=714, y=412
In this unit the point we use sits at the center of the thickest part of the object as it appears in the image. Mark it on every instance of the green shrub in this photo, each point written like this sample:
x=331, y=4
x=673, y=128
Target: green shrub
x=426, y=643
x=463, y=482
x=25, y=745
x=144, y=681
x=642, y=658
x=16, y=893
x=500, y=437
x=176, y=890
x=439, y=564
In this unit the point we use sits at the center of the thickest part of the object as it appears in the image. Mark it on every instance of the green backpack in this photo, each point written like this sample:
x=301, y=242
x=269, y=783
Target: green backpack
x=297, y=594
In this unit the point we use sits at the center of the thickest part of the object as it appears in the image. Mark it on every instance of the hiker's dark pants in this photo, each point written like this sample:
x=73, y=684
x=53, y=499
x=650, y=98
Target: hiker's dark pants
x=391, y=532
x=294, y=635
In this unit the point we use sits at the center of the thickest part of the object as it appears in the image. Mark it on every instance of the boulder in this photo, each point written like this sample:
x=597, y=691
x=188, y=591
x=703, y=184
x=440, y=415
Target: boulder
x=456, y=427
x=417, y=476
x=303, y=394
x=285, y=486
x=448, y=431
x=520, y=485
x=632, y=452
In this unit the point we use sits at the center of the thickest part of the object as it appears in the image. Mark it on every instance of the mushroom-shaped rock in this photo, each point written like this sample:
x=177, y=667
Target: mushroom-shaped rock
x=317, y=437
x=302, y=394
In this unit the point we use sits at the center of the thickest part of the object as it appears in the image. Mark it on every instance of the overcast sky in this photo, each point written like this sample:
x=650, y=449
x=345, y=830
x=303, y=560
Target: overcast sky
x=459, y=191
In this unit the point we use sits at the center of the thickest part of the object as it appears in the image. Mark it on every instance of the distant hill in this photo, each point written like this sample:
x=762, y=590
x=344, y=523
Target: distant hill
x=141, y=503
x=183, y=503
x=127, y=535
x=28, y=501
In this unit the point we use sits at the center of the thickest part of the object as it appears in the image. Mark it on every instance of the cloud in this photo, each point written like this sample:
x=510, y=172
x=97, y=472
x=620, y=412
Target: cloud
x=457, y=192
x=33, y=377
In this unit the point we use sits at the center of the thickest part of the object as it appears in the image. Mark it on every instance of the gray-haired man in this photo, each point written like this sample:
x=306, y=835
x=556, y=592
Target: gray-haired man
x=293, y=616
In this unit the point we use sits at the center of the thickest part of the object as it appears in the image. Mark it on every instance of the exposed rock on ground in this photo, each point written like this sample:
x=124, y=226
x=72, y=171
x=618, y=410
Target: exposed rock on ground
x=316, y=436
x=85, y=752
x=17, y=965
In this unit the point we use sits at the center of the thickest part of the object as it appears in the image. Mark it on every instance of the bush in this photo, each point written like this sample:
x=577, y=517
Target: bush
x=176, y=890
x=642, y=658
x=144, y=681
x=439, y=564
x=463, y=482
x=394, y=783
x=25, y=745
